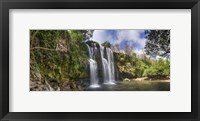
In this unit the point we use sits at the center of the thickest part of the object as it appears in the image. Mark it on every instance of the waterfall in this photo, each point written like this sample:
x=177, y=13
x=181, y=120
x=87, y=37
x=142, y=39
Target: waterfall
x=107, y=59
x=94, y=80
x=108, y=66
x=111, y=69
x=104, y=65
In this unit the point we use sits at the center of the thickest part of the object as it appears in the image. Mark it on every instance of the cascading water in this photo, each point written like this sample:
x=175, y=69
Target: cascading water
x=111, y=69
x=94, y=80
x=104, y=65
x=108, y=66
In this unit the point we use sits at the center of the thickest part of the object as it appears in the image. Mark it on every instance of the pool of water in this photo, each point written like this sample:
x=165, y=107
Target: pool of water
x=133, y=86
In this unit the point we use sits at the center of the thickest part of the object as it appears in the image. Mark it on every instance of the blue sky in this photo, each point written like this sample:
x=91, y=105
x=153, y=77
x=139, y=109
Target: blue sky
x=136, y=38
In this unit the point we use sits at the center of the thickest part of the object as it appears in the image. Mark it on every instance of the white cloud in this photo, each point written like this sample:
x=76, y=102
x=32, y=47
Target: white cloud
x=128, y=35
x=131, y=35
x=101, y=36
x=139, y=51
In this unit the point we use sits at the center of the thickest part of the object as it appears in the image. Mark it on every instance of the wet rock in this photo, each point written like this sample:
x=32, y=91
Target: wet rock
x=126, y=79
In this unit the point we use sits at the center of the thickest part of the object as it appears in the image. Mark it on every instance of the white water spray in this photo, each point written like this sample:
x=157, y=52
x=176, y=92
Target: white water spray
x=108, y=66
x=94, y=80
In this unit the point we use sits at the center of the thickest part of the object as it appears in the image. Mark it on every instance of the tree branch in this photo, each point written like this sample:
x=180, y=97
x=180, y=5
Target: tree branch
x=167, y=52
x=42, y=48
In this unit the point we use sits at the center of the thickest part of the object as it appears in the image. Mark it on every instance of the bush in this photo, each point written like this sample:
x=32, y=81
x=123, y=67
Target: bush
x=159, y=70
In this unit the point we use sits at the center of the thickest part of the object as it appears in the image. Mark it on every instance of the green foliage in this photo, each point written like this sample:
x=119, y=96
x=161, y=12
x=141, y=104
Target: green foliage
x=58, y=54
x=61, y=55
x=87, y=34
x=125, y=64
x=52, y=64
x=130, y=66
x=158, y=43
x=106, y=44
x=77, y=55
x=44, y=38
x=160, y=69
x=139, y=68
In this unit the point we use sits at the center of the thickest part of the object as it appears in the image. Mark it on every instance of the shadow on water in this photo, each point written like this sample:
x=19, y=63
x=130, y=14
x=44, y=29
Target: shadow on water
x=133, y=86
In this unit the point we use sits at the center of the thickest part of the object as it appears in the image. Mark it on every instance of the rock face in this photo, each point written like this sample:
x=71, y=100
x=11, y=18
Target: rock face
x=74, y=86
x=116, y=67
x=38, y=86
x=53, y=69
x=97, y=57
x=126, y=79
x=49, y=69
x=57, y=58
x=102, y=64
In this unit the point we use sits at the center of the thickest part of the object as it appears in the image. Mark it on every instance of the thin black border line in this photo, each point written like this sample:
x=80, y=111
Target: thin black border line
x=194, y=5
x=194, y=60
x=198, y=50
x=5, y=62
x=1, y=70
x=101, y=5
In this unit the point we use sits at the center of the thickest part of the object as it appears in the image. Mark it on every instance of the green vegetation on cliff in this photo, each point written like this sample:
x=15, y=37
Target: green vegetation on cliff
x=131, y=66
x=57, y=56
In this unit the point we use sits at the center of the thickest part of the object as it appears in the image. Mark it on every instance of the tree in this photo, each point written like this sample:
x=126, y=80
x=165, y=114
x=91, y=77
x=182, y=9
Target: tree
x=116, y=48
x=87, y=34
x=158, y=43
x=128, y=48
x=106, y=44
x=77, y=54
x=159, y=70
